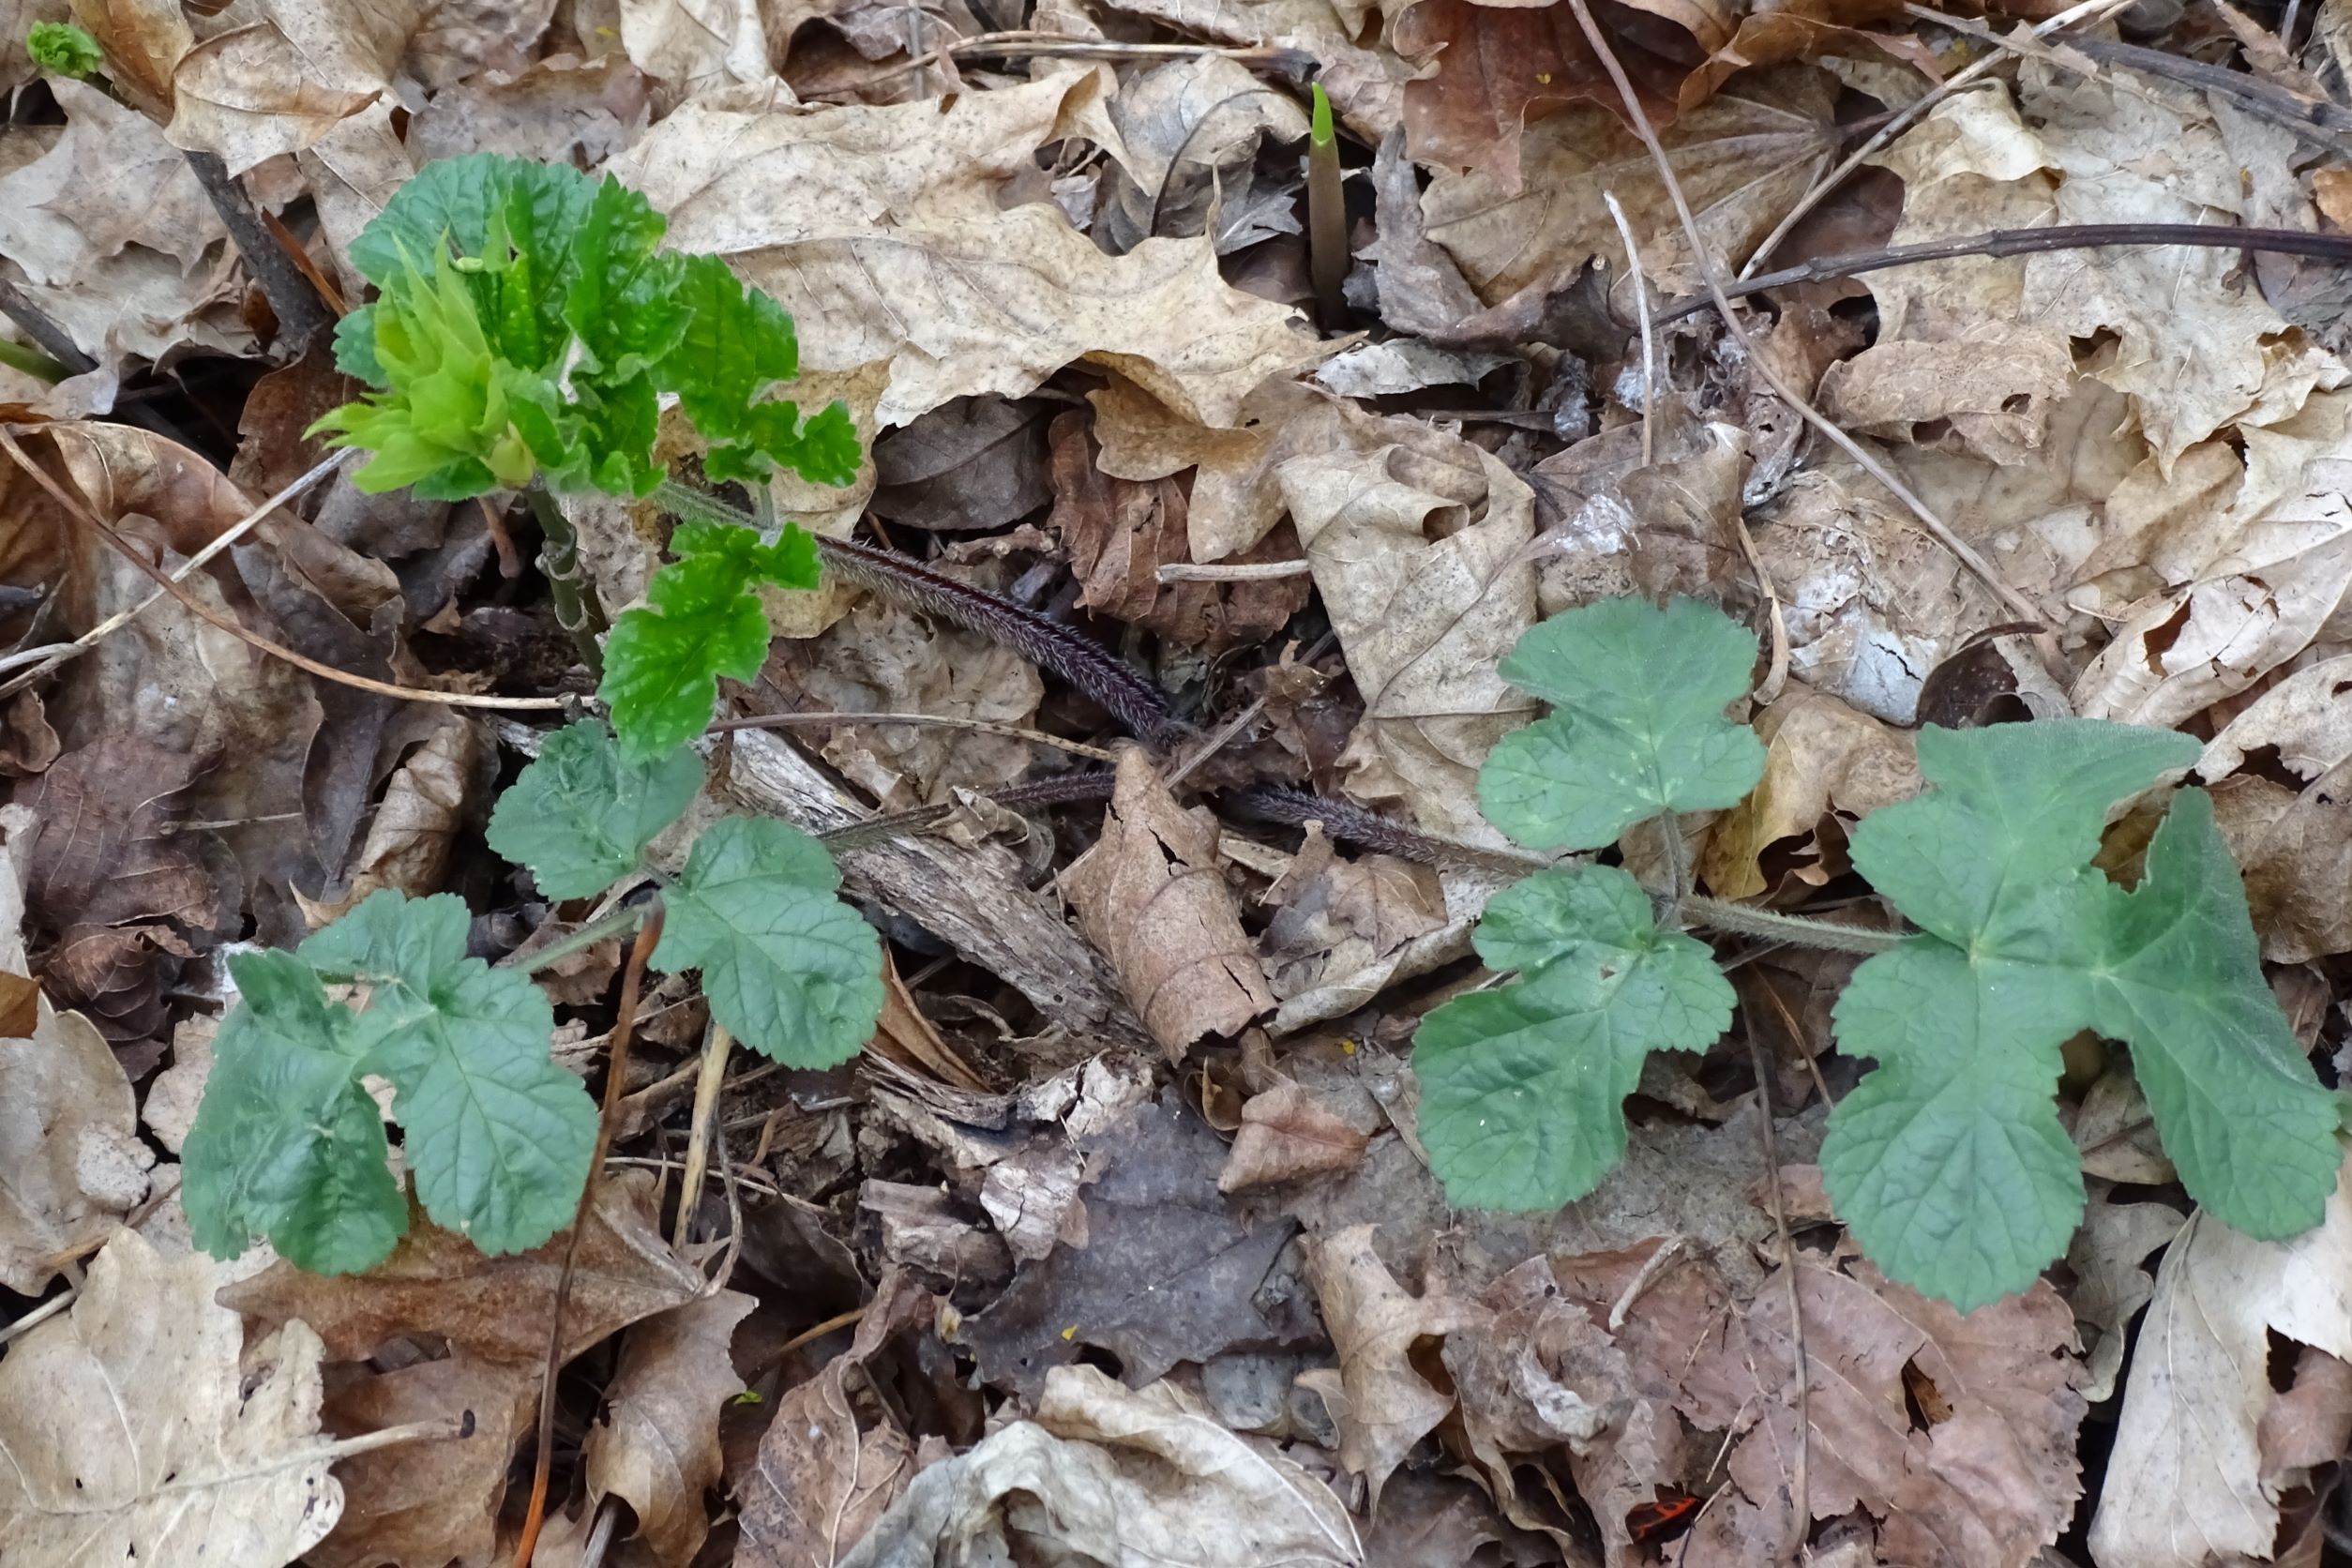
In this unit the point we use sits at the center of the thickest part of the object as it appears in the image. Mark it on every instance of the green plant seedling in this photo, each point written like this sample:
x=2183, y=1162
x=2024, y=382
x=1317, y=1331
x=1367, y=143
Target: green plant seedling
x=289, y=1146
x=61, y=49
x=1948, y=1162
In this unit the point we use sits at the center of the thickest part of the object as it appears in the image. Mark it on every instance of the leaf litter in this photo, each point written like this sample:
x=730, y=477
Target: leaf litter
x=1129, y=1239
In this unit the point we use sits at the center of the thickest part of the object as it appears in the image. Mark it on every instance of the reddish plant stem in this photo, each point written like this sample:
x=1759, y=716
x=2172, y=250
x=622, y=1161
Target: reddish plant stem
x=615, y=1077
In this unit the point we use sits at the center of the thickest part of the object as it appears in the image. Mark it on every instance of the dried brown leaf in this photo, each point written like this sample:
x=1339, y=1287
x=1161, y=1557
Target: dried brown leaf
x=426, y=1504
x=1820, y=755
x=835, y=1458
x=1151, y=895
x=1376, y=1398
x=658, y=1447
x=435, y=1283
x=284, y=80
x=1286, y=1132
x=1990, y=1478
x=145, y=42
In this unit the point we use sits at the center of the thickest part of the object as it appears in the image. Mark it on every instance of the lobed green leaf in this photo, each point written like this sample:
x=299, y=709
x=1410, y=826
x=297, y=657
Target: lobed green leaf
x=1637, y=726
x=580, y=815
x=1949, y=1162
x=1523, y=1088
x=662, y=663
x=287, y=1147
x=787, y=967
x=498, y=1136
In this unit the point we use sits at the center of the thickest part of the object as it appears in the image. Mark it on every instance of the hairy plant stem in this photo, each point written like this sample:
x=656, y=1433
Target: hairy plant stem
x=576, y=608
x=1122, y=690
x=1797, y=929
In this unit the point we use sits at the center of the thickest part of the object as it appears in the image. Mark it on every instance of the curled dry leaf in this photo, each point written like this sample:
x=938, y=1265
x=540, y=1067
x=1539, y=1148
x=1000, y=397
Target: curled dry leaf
x=1116, y=1478
x=1820, y=757
x=2187, y=1477
x=835, y=1458
x=1152, y=895
x=137, y=1432
x=657, y=1446
x=288, y=77
x=1367, y=82
x=426, y=1504
x=2109, y=1256
x=1185, y=137
x=878, y=230
x=68, y=1134
x=425, y=804
x=1376, y=1398
x=1418, y=551
x=115, y=240
x=2294, y=844
x=1119, y=533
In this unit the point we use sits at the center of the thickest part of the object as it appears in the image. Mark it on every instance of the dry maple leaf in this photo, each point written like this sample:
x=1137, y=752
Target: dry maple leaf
x=135, y=1434
x=879, y=228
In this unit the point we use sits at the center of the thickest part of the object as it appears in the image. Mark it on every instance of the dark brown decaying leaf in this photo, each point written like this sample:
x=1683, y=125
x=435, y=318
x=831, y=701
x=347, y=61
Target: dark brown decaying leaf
x=1992, y=1482
x=971, y=464
x=835, y=1458
x=426, y=1504
x=1120, y=532
x=1150, y=893
x=657, y=1446
x=1497, y=69
x=1169, y=1272
x=435, y=1283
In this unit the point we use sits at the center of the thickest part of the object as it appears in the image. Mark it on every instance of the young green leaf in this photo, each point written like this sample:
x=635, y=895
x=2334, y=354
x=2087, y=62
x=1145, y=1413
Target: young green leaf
x=1523, y=1088
x=787, y=967
x=737, y=344
x=580, y=815
x=498, y=1136
x=1637, y=726
x=287, y=1146
x=1948, y=1161
x=62, y=49
x=662, y=664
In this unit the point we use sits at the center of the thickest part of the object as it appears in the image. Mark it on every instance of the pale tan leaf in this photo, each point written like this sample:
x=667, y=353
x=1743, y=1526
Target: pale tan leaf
x=145, y=42
x=1367, y=82
x=1417, y=549
x=1380, y=1402
x=2108, y=1255
x=281, y=83
x=2185, y=1479
x=879, y=228
x=1144, y=1478
x=1151, y=896
x=134, y=1434
x=659, y=1444
x=1742, y=158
